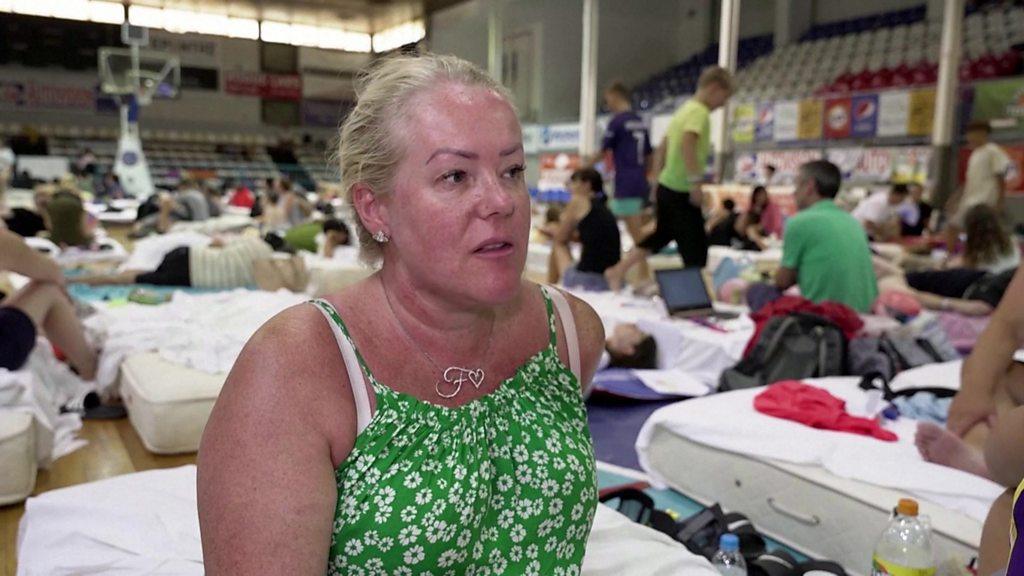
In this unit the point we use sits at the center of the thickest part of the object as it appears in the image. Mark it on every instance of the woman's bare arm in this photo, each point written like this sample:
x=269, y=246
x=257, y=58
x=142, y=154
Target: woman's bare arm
x=266, y=483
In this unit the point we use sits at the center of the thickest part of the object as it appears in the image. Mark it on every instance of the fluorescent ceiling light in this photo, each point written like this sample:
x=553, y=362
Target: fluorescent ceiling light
x=35, y=7
x=337, y=39
x=106, y=12
x=276, y=32
x=146, y=16
x=314, y=36
x=243, y=28
x=399, y=36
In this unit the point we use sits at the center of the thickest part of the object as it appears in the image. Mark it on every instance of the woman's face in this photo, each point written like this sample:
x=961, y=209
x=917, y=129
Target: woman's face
x=459, y=214
x=579, y=188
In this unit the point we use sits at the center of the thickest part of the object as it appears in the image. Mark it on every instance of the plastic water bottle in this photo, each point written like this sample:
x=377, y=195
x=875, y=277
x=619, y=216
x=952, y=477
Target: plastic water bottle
x=905, y=548
x=728, y=560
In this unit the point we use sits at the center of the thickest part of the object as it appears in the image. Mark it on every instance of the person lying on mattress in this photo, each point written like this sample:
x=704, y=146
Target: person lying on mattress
x=629, y=346
x=428, y=419
x=222, y=264
x=587, y=215
x=41, y=304
x=972, y=283
x=984, y=434
x=187, y=204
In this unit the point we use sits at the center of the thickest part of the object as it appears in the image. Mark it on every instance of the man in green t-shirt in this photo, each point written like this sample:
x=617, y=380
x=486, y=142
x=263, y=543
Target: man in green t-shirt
x=824, y=249
x=683, y=157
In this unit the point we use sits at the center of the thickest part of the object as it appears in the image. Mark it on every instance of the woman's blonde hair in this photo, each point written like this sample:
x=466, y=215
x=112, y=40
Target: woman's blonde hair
x=368, y=152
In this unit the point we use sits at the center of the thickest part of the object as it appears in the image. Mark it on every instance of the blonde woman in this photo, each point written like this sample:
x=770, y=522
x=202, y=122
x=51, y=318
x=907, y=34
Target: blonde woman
x=428, y=419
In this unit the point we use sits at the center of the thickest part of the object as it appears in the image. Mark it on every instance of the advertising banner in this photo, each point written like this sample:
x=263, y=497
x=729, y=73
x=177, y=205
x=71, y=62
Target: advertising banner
x=809, y=124
x=865, y=116
x=999, y=100
x=787, y=117
x=263, y=85
x=560, y=137
x=922, y=112
x=838, y=118
x=765, y=130
x=893, y=113
x=35, y=95
x=744, y=117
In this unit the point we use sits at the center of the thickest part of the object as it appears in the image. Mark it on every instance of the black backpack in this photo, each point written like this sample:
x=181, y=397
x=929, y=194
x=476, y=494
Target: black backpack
x=790, y=347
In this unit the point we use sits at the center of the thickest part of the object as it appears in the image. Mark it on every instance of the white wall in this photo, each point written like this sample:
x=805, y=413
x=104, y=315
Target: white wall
x=636, y=42
x=834, y=10
x=636, y=39
x=460, y=30
x=757, y=18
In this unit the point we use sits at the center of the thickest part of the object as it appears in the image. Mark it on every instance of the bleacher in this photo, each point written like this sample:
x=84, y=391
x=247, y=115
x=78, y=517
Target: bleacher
x=661, y=89
x=890, y=50
x=169, y=161
x=316, y=161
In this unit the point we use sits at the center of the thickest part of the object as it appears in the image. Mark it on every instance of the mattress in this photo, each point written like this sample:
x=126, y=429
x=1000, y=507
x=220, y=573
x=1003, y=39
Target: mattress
x=168, y=404
x=804, y=506
x=17, y=456
x=146, y=523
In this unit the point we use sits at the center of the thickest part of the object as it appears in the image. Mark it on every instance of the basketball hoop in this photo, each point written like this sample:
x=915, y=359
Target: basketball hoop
x=146, y=75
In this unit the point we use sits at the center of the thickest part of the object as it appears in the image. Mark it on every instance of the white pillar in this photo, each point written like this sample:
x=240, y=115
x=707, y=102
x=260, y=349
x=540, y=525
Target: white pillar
x=943, y=165
x=494, y=37
x=728, y=46
x=588, y=80
x=949, y=66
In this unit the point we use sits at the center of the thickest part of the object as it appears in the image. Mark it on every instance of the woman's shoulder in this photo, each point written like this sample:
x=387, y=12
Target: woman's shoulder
x=589, y=327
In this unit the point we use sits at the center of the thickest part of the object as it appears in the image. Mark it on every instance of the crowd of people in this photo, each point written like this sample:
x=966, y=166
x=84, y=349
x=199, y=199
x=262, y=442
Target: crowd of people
x=357, y=394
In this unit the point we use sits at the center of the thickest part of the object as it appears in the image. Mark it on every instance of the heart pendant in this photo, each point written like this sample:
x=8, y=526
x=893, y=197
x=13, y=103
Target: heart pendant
x=476, y=377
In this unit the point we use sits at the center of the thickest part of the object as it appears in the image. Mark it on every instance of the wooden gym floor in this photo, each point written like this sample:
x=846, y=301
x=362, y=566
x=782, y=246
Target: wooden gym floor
x=114, y=449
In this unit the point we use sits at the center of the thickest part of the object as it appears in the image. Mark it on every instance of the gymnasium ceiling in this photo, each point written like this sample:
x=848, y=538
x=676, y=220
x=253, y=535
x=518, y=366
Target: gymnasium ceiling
x=356, y=15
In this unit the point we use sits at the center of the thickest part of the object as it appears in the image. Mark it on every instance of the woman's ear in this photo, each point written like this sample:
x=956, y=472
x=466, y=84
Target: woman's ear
x=371, y=211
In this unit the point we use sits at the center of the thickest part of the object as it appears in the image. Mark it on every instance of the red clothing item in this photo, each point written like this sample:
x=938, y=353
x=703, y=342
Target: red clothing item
x=242, y=197
x=844, y=316
x=814, y=407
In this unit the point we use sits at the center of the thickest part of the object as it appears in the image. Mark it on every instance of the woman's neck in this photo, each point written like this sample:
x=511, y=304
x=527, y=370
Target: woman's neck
x=423, y=312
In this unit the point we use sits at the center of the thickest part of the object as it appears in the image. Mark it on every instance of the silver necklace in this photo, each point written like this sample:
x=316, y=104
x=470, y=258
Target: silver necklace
x=454, y=376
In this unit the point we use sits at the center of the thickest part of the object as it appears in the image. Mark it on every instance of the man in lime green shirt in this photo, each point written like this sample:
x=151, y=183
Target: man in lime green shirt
x=824, y=249
x=683, y=156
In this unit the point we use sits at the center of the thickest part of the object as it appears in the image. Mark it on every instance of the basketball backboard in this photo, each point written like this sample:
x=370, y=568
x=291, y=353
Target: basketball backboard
x=158, y=74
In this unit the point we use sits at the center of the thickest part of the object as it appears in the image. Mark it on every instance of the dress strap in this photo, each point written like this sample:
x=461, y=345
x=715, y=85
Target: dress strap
x=352, y=362
x=572, y=343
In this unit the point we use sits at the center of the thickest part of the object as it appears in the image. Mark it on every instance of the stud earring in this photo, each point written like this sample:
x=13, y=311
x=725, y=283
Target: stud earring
x=380, y=237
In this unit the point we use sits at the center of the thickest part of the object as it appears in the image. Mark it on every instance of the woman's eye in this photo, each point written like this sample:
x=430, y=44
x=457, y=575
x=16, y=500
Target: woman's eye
x=454, y=177
x=515, y=171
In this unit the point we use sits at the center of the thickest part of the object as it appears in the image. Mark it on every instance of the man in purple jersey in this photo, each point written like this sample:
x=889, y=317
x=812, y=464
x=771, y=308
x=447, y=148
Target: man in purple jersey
x=628, y=140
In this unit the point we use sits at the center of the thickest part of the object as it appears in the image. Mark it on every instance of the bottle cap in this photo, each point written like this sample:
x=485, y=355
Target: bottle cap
x=907, y=507
x=729, y=543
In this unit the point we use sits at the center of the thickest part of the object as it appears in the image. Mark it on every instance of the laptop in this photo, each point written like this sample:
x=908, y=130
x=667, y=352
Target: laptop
x=686, y=294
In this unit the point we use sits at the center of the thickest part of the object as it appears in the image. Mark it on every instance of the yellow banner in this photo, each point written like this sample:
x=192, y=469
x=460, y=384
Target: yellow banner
x=809, y=124
x=744, y=118
x=922, y=112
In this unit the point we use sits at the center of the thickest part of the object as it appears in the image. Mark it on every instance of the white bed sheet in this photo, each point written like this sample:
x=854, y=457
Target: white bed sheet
x=694, y=350
x=225, y=223
x=147, y=253
x=204, y=332
x=40, y=388
x=942, y=375
x=146, y=523
x=729, y=422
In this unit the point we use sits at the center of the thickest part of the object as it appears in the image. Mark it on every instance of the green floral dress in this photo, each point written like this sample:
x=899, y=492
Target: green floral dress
x=504, y=484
